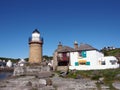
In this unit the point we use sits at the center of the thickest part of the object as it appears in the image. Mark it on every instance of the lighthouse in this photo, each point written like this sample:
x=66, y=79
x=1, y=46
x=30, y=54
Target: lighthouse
x=35, y=46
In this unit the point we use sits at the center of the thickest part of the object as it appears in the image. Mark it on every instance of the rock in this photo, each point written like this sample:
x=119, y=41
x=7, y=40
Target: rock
x=54, y=83
x=43, y=63
x=49, y=81
x=29, y=83
x=39, y=78
x=63, y=74
x=42, y=82
x=19, y=71
x=73, y=71
x=116, y=85
x=43, y=74
x=30, y=70
x=73, y=84
x=117, y=77
x=45, y=68
x=79, y=77
x=104, y=87
x=101, y=80
x=47, y=88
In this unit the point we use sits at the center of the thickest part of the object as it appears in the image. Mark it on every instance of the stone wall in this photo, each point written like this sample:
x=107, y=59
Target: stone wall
x=30, y=70
x=62, y=68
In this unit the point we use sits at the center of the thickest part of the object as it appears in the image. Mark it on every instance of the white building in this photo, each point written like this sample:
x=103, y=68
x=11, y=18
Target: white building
x=87, y=57
x=9, y=63
x=22, y=62
x=83, y=57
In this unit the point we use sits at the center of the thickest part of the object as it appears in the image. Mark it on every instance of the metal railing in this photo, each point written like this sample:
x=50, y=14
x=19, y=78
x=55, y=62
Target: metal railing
x=41, y=39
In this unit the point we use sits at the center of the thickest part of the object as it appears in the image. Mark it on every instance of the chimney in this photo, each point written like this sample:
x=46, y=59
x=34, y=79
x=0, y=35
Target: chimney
x=75, y=45
x=59, y=45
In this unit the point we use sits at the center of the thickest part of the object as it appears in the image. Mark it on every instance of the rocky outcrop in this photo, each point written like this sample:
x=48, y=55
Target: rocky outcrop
x=52, y=83
x=116, y=85
x=41, y=78
x=30, y=78
x=19, y=71
x=26, y=83
x=30, y=70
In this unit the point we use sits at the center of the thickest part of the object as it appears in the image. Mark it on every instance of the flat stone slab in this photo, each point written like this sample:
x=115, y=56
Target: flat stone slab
x=73, y=84
x=44, y=74
x=116, y=85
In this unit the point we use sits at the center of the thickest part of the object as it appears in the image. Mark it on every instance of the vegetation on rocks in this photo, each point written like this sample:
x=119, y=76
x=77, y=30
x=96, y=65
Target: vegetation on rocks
x=106, y=77
x=114, y=52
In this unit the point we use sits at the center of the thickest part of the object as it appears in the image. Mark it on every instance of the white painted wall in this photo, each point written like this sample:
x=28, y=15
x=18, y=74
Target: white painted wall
x=73, y=58
x=109, y=64
x=94, y=57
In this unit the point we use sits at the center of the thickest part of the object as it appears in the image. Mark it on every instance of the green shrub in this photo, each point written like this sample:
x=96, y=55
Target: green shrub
x=95, y=77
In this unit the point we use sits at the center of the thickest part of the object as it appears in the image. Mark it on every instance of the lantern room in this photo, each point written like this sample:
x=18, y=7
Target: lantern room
x=36, y=35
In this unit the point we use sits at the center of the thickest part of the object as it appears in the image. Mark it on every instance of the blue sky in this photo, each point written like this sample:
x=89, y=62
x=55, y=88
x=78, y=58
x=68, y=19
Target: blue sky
x=95, y=22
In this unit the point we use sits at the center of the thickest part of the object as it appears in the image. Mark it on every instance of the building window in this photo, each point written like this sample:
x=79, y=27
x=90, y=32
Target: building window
x=76, y=64
x=113, y=62
x=102, y=62
x=65, y=57
x=63, y=63
x=87, y=63
x=83, y=54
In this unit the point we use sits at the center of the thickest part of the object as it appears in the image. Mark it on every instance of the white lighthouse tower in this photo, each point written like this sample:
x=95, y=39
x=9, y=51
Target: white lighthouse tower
x=35, y=45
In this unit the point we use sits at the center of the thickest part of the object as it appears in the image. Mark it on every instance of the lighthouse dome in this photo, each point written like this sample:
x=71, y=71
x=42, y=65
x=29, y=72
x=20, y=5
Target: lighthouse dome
x=36, y=31
x=35, y=35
